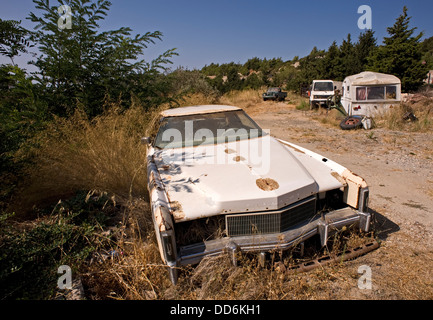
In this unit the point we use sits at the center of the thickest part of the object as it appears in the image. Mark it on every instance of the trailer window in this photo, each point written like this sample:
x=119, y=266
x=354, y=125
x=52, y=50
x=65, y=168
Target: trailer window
x=391, y=92
x=360, y=93
x=375, y=93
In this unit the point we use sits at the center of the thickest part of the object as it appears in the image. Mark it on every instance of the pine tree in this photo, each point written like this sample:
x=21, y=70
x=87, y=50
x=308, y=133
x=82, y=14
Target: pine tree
x=401, y=54
x=331, y=61
x=312, y=66
x=427, y=52
x=363, y=49
x=347, y=58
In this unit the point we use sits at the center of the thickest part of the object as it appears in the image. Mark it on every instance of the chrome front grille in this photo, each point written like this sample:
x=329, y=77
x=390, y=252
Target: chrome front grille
x=245, y=224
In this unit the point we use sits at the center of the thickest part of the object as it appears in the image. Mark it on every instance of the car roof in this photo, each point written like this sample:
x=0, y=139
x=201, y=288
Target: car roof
x=197, y=110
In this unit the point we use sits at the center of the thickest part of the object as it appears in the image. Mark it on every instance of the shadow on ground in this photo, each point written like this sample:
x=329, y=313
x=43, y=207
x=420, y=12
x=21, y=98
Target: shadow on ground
x=382, y=225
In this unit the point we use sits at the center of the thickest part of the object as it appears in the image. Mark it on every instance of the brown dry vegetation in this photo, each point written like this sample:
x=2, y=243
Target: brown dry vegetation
x=139, y=274
x=106, y=154
x=77, y=153
x=419, y=105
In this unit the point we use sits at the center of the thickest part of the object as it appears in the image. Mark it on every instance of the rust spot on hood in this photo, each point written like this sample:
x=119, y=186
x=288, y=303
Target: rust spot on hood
x=238, y=158
x=339, y=178
x=267, y=184
x=228, y=151
x=177, y=211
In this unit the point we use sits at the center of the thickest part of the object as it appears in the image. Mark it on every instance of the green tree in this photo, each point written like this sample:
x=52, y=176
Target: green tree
x=211, y=70
x=83, y=65
x=312, y=66
x=427, y=51
x=13, y=39
x=347, y=59
x=253, y=82
x=401, y=54
x=190, y=81
x=22, y=114
x=331, y=62
x=234, y=81
x=253, y=64
x=363, y=49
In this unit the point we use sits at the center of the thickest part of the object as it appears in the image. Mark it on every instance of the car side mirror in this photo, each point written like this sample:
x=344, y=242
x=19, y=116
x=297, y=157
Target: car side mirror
x=146, y=140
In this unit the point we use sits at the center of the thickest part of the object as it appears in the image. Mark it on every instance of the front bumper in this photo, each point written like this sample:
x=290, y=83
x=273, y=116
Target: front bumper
x=270, y=97
x=324, y=226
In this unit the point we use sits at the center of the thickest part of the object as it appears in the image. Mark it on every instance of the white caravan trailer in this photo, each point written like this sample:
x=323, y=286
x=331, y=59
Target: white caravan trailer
x=368, y=93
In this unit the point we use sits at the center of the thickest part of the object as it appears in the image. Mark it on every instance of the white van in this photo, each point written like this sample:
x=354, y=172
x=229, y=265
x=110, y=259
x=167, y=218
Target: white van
x=320, y=91
x=368, y=93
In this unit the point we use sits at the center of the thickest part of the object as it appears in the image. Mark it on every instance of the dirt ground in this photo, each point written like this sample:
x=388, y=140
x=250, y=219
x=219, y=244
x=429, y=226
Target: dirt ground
x=398, y=167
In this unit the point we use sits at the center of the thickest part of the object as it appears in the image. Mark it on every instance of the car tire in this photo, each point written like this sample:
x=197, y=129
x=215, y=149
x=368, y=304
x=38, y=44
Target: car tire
x=350, y=123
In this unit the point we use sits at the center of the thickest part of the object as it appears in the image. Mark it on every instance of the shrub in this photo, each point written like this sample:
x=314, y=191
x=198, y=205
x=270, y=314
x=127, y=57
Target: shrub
x=31, y=252
x=303, y=105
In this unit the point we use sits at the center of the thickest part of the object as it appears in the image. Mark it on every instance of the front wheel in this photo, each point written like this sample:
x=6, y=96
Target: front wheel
x=312, y=105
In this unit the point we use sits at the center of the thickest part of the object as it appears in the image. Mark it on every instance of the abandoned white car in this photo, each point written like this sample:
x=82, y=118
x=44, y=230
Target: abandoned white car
x=219, y=184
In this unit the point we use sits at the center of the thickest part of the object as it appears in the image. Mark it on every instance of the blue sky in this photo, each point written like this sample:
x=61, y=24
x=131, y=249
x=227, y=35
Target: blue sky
x=222, y=31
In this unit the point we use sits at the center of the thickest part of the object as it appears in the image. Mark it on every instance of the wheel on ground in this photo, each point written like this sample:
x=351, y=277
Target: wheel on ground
x=350, y=123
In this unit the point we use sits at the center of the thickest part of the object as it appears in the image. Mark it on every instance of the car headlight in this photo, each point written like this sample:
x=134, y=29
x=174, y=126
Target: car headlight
x=168, y=246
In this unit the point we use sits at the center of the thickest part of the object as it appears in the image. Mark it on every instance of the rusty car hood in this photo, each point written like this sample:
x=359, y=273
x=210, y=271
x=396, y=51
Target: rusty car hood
x=236, y=177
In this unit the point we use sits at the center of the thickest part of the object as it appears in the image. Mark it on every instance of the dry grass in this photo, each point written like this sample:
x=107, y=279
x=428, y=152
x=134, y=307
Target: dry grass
x=242, y=99
x=330, y=118
x=139, y=273
x=404, y=272
x=81, y=154
x=301, y=103
x=397, y=273
x=394, y=119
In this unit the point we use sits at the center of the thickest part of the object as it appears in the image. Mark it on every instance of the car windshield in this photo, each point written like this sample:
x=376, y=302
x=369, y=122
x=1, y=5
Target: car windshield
x=323, y=86
x=203, y=129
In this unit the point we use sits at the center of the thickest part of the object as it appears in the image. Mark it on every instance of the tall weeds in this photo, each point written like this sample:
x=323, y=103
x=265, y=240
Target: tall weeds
x=81, y=154
x=400, y=117
x=242, y=99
